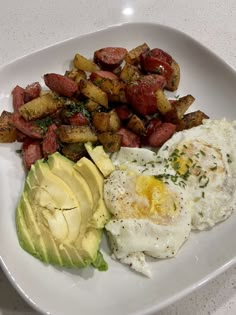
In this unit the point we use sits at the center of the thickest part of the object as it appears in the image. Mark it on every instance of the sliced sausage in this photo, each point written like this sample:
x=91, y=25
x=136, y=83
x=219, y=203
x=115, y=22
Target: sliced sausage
x=31, y=152
x=157, y=61
x=161, y=134
x=129, y=138
x=32, y=91
x=123, y=112
x=141, y=94
x=78, y=119
x=29, y=128
x=151, y=127
x=109, y=58
x=18, y=94
x=61, y=84
x=99, y=75
x=50, y=144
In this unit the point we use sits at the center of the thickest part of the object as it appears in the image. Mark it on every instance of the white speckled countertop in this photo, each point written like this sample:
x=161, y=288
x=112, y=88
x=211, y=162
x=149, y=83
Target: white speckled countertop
x=26, y=26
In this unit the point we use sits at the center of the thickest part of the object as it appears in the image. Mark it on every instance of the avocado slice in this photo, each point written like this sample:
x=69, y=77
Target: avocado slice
x=55, y=215
x=95, y=181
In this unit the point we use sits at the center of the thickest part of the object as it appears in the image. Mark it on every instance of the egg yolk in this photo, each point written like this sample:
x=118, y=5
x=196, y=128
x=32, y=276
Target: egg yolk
x=163, y=203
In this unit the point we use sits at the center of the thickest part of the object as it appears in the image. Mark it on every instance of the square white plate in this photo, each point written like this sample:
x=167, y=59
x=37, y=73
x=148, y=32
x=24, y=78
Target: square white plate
x=118, y=291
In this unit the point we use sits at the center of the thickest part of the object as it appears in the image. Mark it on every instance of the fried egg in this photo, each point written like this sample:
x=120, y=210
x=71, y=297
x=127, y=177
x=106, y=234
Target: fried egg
x=202, y=162
x=157, y=198
x=148, y=218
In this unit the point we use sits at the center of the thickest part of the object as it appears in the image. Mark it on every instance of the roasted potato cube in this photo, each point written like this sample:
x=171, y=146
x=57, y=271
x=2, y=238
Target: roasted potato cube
x=119, y=98
x=136, y=125
x=133, y=56
x=82, y=63
x=76, y=74
x=93, y=92
x=130, y=73
x=191, y=120
x=73, y=133
x=103, y=122
x=110, y=141
x=40, y=107
x=74, y=151
x=7, y=130
x=91, y=106
x=179, y=108
x=173, y=82
x=163, y=104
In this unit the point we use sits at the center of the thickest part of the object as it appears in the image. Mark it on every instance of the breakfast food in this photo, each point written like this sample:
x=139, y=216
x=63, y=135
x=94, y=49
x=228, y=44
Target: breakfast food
x=117, y=99
x=84, y=136
x=156, y=198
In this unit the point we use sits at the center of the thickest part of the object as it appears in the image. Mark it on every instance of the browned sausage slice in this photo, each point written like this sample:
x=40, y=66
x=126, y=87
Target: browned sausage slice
x=99, y=75
x=32, y=91
x=109, y=58
x=129, y=138
x=141, y=94
x=18, y=94
x=50, y=144
x=27, y=127
x=31, y=152
x=78, y=119
x=161, y=134
x=61, y=84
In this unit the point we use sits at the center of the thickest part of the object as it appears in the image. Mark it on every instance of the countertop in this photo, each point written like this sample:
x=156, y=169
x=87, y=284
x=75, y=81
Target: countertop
x=27, y=26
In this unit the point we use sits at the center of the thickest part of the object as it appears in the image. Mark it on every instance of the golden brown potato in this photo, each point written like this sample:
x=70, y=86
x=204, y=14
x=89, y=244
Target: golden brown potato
x=110, y=141
x=40, y=107
x=130, y=73
x=163, y=104
x=136, y=125
x=7, y=131
x=76, y=74
x=112, y=87
x=73, y=133
x=93, y=92
x=191, y=120
x=103, y=122
x=83, y=63
x=74, y=151
x=91, y=106
x=133, y=56
x=173, y=83
x=179, y=108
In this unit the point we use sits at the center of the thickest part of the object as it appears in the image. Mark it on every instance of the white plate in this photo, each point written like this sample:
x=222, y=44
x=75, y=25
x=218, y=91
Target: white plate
x=119, y=290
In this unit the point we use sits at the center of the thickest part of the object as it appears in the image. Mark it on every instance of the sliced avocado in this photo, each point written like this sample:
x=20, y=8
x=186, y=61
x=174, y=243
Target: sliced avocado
x=95, y=181
x=100, y=158
x=63, y=168
x=53, y=222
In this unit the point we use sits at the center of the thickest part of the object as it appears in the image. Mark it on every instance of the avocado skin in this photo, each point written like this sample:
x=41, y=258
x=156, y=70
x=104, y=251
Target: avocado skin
x=33, y=230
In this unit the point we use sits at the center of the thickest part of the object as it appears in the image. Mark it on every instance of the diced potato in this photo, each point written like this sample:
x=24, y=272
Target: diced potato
x=163, y=104
x=91, y=106
x=7, y=131
x=112, y=87
x=179, y=108
x=40, y=107
x=76, y=74
x=103, y=122
x=130, y=73
x=73, y=133
x=82, y=63
x=136, y=125
x=110, y=141
x=191, y=120
x=133, y=57
x=93, y=92
x=173, y=83
x=74, y=151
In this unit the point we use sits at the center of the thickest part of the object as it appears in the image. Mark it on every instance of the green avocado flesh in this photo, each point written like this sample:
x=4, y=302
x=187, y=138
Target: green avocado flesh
x=59, y=220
